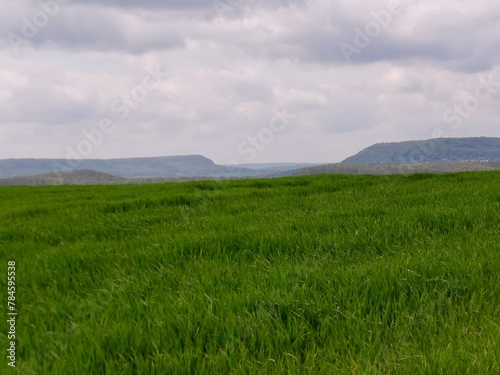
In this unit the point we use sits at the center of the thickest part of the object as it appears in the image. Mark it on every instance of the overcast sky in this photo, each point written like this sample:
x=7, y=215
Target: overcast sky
x=243, y=80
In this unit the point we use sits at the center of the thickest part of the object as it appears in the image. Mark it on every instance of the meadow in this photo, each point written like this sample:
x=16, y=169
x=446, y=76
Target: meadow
x=328, y=274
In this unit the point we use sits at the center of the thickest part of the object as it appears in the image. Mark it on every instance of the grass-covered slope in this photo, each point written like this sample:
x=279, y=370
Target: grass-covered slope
x=77, y=177
x=396, y=169
x=318, y=274
x=439, y=150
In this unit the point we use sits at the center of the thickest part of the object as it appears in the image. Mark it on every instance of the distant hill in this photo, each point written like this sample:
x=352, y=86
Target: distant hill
x=79, y=177
x=269, y=169
x=435, y=155
x=395, y=169
x=439, y=150
x=163, y=167
x=89, y=177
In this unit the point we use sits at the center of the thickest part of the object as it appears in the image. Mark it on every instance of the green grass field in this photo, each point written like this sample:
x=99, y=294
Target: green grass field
x=306, y=275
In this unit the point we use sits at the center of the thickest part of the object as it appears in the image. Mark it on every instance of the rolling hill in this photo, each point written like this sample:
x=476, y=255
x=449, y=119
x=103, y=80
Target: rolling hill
x=395, y=169
x=439, y=150
x=163, y=167
x=77, y=177
x=434, y=156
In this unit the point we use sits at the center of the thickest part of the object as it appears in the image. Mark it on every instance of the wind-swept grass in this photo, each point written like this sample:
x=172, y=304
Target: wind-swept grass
x=319, y=274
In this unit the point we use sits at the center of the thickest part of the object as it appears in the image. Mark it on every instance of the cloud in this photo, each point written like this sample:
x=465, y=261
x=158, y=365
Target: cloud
x=232, y=69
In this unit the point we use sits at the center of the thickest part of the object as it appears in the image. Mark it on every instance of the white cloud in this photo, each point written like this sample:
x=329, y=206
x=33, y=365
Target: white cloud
x=229, y=73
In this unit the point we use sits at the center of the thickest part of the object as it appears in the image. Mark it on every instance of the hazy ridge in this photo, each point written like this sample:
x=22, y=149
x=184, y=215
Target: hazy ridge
x=439, y=150
x=429, y=156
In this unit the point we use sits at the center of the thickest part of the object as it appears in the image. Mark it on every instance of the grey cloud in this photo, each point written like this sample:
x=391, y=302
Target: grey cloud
x=467, y=42
x=42, y=104
x=229, y=73
x=302, y=32
x=189, y=4
x=87, y=28
x=149, y=4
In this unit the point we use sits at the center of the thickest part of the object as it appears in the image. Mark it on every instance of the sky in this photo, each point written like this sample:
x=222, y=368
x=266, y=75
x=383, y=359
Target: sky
x=243, y=81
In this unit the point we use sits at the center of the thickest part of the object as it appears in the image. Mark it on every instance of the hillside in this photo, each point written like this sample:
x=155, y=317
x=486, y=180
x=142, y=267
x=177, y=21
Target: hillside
x=165, y=167
x=77, y=177
x=395, y=169
x=440, y=150
x=91, y=177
